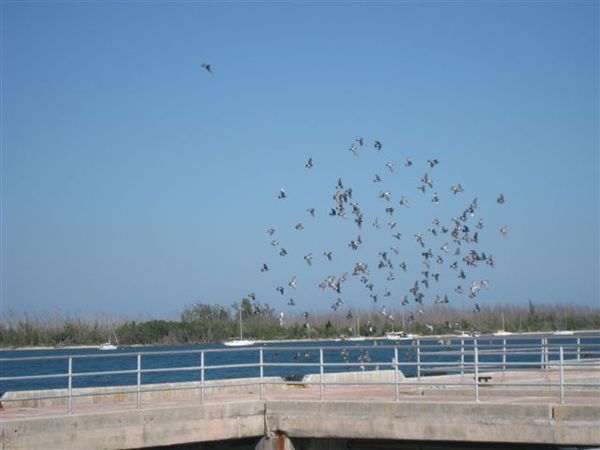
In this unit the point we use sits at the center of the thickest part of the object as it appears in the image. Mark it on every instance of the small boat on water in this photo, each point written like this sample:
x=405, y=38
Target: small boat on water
x=399, y=336
x=108, y=346
x=241, y=342
x=357, y=337
x=502, y=332
x=238, y=343
x=563, y=333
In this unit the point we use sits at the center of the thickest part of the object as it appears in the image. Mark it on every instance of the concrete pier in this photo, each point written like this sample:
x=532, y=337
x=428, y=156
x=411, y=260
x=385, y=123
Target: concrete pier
x=440, y=411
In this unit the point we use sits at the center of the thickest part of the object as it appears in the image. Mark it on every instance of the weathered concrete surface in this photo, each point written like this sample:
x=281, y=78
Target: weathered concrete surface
x=458, y=421
x=379, y=376
x=468, y=422
x=528, y=414
x=136, y=429
x=275, y=441
x=124, y=394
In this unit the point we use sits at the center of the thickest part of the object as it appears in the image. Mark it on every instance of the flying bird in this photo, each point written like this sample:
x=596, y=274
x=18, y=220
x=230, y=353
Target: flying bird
x=207, y=67
x=309, y=164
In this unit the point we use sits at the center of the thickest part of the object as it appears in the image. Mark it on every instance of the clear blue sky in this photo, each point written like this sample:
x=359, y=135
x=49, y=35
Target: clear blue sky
x=134, y=182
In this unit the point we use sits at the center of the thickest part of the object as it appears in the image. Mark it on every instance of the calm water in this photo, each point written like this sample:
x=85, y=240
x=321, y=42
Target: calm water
x=378, y=352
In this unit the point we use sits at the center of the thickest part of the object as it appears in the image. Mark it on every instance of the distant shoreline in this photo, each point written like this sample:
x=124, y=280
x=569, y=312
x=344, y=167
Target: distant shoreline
x=290, y=341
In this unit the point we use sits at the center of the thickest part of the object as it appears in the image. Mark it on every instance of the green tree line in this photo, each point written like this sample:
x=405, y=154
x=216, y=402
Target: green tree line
x=206, y=323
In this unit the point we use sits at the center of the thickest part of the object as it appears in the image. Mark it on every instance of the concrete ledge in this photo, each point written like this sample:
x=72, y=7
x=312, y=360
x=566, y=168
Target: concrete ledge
x=120, y=394
x=376, y=376
x=136, y=429
x=466, y=422
x=159, y=392
x=558, y=425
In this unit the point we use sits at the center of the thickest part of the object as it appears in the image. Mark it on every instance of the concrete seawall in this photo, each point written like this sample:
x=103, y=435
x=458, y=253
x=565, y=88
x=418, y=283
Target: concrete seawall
x=432, y=421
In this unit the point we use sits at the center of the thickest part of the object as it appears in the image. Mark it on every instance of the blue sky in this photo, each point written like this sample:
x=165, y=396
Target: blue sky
x=134, y=183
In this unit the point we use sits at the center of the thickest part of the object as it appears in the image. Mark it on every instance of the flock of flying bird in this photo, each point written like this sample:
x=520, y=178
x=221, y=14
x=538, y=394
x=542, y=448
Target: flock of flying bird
x=459, y=233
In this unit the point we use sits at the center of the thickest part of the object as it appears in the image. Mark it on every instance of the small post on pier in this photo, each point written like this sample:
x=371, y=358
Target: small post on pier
x=562, y=375
x=261, y=386
x=462, y=361
x=476, y=364
x=321, y=393
x=419, y=366
x=545, y=353
x=139, y=381
x=542, y=355
x=578, y=352
x=503, y=358
x=202, y=377
x=70, y=399
x=396, y=374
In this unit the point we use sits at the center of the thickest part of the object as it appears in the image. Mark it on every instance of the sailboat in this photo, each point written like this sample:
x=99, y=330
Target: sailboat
x=399, y=335
x=241, y=342
x=109, y=345
x=357, y=337
x=502, y=332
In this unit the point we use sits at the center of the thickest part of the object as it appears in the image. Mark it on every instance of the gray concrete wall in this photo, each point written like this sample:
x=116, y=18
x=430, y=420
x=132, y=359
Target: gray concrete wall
x=431, y=421
x=120, y=394
x=136, y=429
x=453, y=421
x=374, y=376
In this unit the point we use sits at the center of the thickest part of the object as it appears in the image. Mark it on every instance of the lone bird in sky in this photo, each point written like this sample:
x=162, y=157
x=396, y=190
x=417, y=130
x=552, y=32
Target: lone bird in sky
x=207, y=67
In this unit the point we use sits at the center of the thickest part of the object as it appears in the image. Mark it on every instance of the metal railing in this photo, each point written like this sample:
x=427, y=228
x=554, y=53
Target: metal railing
x=462, y=358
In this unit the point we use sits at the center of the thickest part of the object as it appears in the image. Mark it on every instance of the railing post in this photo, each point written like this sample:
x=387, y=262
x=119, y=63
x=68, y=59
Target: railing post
x=462, y=361
x=503, y=358
x=70, y=399
x=562, y=376
x=396, y=386
x=418, y=365
x=261, y=387
x=202, y=376
x=578, y=351
x=321, y=393
x=542, y=355
x=139, y=381
x=476, y=364
x=546, y=361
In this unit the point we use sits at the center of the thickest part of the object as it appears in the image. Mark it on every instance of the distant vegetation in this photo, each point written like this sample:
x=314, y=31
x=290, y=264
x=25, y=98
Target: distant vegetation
x=204, y=323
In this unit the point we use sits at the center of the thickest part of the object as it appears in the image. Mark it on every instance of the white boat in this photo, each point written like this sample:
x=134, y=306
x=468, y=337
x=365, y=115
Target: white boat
x=108, y=346
x=399, y=336
x=238, y=343
x=357, y=337
x=503, y=331
x=563, y=333
x=241, y=342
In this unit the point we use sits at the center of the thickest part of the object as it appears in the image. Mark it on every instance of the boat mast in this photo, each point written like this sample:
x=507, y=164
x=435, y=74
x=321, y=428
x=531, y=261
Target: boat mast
x=241, y=329
x=402, y=319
